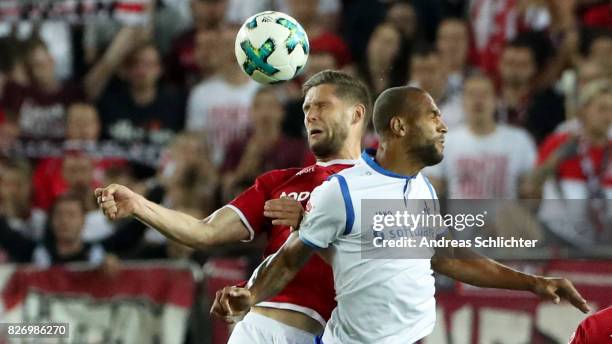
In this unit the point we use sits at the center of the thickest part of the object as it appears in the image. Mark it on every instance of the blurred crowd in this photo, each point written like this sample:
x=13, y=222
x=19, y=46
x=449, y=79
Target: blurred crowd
x=158, y=103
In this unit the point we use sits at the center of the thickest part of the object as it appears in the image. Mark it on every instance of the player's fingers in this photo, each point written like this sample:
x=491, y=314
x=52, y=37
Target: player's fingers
x=98, y=192
x=110, y=212
x=274, y=205
x=239, y=300
x=224, y=301
x=240, y=293
x=216, y=309
x=277, y=214
x=282, y=204
x=109, y=191
x=569, y=292
x=279, y=222
x=109, y=204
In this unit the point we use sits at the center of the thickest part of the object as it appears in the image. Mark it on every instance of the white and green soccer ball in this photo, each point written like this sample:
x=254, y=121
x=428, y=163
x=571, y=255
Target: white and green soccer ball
x=271, y=47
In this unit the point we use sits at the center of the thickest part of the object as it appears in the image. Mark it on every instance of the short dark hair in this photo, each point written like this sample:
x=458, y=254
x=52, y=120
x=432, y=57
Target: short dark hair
x=424, y=49
x=392, y=102
x=69, y=197
x=536, y=42
x=347, y=87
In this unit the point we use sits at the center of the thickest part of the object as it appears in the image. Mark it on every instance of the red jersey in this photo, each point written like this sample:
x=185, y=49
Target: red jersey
x=595, y=329
x=570, y=168
x=312, y=290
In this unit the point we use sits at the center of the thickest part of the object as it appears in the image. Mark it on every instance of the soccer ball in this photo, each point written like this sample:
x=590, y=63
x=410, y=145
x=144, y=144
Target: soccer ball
x=271, y=47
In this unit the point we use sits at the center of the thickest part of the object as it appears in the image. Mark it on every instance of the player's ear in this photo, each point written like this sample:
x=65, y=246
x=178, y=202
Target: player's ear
x=359, y=112
x=398, y=126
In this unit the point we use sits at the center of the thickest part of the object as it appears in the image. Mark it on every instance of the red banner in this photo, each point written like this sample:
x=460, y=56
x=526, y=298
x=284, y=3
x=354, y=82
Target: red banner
x=144, y=304
x=472, y=315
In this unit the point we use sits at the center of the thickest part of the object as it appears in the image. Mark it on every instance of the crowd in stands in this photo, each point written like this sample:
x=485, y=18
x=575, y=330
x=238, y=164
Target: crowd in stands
x=161, y=106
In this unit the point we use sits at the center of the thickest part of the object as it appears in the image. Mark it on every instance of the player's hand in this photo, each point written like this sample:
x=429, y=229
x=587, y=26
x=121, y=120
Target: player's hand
x=231, y=303
x=284, y=211
x=555, y=289
x=117, y=201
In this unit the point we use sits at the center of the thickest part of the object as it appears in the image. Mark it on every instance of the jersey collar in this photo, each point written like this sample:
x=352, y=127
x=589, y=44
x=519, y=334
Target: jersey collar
x=336, y=162
x=368, y=157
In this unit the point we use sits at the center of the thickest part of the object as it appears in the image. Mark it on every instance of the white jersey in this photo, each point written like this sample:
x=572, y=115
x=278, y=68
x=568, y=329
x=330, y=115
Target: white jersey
x=485, y=167
x=383, y=301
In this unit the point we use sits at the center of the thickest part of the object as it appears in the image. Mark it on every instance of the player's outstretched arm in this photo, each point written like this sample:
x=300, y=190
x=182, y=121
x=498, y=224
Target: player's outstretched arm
x=480, y=271
x=222, y=227
x=269, y=279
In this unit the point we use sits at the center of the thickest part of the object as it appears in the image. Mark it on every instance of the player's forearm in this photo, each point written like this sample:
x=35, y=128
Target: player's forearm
x=272, y=277
x=483, y=272
x=276, y=271
x=175, y=225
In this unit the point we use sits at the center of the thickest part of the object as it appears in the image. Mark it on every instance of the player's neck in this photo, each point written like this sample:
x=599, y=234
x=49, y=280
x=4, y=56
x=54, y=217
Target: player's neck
x=394, y=159
x=346, y=153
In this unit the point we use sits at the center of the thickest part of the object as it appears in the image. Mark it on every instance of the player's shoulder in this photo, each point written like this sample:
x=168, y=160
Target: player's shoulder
x=279, y=175
x=426, y=185
x=360, y=169
x=602, y=317
x=593, y=329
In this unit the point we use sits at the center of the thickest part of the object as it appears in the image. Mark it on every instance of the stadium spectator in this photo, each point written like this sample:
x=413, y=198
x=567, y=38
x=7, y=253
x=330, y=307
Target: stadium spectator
x=264, y=148
x=40, y=106
x=187, y=176
x=428, y=73
x=403, y=16
x=495, y=23
x=164, y=20
x=82, y=123
x=219, y=106
x=586, y=72
x=72, y=173
x=182, y=64
x=9, y=135
x=142, y=110
x=16, y=200
x=307, y=14
x=12, y=65
x=482, y=159
x=82, y=134
x=360, y=18
x=99, y=76
x=576, y=166
x=523, y=101
x=186, y=179
x=205, y=42
x=452, y=43
x=319, y=59
x=600, y=50
x=63, y=241
x=384, y=65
